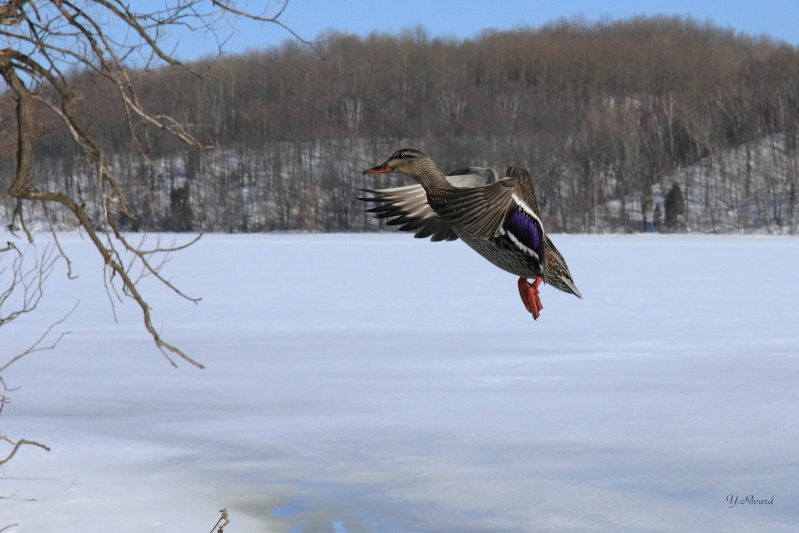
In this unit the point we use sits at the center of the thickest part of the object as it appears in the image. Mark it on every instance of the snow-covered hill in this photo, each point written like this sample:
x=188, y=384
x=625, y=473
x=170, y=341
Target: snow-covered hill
x=752, y=188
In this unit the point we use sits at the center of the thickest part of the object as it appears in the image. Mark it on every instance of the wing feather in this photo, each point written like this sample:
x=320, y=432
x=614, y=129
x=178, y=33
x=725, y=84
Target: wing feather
x=478, y=211
x=407, y=208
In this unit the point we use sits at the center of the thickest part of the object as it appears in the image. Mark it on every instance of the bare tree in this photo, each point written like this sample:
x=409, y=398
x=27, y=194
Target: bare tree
x=47, y=42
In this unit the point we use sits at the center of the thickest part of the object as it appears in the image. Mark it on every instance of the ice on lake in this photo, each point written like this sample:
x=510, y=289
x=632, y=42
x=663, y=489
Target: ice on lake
x=386, y=384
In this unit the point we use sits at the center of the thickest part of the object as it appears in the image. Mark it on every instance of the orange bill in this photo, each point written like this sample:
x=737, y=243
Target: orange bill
x=379, y=169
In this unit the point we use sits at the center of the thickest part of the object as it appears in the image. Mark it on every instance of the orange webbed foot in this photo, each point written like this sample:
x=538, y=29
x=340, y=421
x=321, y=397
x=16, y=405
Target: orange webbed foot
x=529, y=293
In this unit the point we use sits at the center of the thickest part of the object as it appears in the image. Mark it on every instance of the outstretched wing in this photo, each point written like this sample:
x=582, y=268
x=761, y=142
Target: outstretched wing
x=478, y=211
x=497, y=211
x=407, y=208
x=473, y=176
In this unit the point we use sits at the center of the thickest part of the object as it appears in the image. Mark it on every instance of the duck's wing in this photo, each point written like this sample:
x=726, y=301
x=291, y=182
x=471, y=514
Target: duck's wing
x=407, y=208
x=499, y=210
x=473, y=176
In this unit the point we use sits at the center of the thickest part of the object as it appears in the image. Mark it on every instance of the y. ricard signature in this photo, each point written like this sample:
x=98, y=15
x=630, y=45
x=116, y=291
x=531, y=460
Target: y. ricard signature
x=749, y=499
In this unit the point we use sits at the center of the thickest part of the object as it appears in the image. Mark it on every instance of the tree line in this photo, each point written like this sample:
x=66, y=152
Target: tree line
x=604, y=114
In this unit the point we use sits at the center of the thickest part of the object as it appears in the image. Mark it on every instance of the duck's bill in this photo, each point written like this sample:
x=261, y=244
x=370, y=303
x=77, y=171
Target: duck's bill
x=379, y=169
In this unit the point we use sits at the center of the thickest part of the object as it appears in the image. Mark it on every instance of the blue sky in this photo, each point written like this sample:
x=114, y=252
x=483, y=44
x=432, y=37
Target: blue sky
x=778, y=19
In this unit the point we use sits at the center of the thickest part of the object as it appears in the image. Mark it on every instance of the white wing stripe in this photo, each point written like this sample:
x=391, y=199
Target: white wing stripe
x=519, y=244
x=526, y=208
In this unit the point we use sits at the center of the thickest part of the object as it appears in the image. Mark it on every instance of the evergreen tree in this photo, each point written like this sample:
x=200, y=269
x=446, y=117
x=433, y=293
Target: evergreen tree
x=182, y=216
x=675, y=208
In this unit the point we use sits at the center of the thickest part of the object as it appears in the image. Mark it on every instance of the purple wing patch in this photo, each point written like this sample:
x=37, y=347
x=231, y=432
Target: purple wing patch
x=525, y=230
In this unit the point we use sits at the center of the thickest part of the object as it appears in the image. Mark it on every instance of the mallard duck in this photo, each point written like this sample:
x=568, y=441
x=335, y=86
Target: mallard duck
x=498, y=218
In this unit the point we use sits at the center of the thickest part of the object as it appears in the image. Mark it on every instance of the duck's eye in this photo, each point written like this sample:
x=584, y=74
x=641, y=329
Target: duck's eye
x=400, y=156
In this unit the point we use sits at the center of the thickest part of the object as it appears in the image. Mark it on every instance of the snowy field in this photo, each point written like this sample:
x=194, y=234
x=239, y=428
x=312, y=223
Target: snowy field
x=386, y=384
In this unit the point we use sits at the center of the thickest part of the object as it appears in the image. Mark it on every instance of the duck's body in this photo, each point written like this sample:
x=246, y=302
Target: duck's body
x=498, y=218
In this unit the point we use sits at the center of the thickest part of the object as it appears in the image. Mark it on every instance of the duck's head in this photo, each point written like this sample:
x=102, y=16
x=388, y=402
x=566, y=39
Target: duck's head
x=406, y=161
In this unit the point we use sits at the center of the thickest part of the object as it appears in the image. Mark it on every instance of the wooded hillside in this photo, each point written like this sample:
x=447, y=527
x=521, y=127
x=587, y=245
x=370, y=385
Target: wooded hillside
x=604, y=114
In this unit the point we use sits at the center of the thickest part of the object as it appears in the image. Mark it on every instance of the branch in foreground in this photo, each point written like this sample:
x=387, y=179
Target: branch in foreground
x=37, y=345
x=17, y=445
x=221, y=523
x=22, y=189
x=45, y=42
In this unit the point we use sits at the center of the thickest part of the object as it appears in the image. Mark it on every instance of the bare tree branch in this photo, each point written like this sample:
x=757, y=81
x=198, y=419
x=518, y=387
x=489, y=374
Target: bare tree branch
x=17, y=445
x=49, y=41
x=38, y=345
x=23, y=293
x=28, y=283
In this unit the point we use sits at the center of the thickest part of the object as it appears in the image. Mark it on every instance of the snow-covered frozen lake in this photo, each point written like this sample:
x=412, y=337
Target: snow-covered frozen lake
x=386, y=384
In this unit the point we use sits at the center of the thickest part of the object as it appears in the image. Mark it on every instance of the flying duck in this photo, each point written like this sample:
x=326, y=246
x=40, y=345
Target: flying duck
x=498, y=218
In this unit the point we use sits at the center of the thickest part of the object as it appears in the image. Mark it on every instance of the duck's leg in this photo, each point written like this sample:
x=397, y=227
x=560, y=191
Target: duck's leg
x=529, y=293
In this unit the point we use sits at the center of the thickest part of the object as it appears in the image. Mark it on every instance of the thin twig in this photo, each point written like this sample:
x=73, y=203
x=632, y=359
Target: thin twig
x=18, y=445
x=219, y=525
x=37, y=344
x=57, y=241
